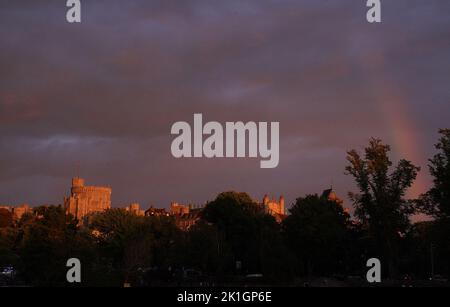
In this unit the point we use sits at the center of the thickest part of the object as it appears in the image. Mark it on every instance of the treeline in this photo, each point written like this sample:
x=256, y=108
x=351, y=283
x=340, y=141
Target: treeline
x=235, y=237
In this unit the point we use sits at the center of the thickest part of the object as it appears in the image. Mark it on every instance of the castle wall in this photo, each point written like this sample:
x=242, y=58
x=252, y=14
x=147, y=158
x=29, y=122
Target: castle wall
x=85, y=200
x=178, y=209
x=135, y=209
x=17, y=212
x=274, y=207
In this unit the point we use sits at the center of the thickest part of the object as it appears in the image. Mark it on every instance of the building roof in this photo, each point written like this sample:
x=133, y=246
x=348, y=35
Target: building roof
x=331, y=195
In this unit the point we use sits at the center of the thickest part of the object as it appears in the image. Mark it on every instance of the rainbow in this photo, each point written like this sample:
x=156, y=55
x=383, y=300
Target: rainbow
x=396, y=114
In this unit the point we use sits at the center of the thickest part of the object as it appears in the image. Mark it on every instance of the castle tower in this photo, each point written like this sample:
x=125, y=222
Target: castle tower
x=135, y=208
x=179, y=209
x=77, y=182
x=282, y=208
x=266, y=200
x=84, y=200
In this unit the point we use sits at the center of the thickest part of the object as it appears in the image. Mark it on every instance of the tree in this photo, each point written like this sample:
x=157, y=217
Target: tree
x=436, y=201
x=46, y=242
x=8, y=238
x=133, y=243
x=229, y=206
x=233, y=214
x=6, y=218
x=381, y=203
x=246, y=233
x=315, y=231
x=203, y=249
x=124, y=239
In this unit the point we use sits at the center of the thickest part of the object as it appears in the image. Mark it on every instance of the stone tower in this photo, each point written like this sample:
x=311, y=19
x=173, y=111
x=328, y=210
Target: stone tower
x=85, y=200
x=282, y=207
x=273, y=206
x=266, y=200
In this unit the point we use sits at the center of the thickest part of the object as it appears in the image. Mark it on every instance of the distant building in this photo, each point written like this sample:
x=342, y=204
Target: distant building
x=6, y=207
x=274, y=207
x=187, y=220
x=135, y=209
x=156, y=212
x=185, y=216
x=331, y=195
x=179, y=209
x=85, y=200
x=17, y=211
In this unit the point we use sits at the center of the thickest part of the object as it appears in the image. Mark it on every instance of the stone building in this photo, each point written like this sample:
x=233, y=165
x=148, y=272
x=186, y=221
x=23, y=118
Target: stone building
x=179, y=209
x=185, y=221
x=85, y=200
x=185, y=216
x=135, y=209
x=152, y=211
x=17, y=211
x=274, y=207
x=331, y=195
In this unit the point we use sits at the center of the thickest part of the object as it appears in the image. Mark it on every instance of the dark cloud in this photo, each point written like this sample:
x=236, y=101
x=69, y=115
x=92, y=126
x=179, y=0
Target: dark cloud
x=103, y=94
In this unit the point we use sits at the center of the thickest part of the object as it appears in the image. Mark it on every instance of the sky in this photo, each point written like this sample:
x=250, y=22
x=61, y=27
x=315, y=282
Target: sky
x=98, y=99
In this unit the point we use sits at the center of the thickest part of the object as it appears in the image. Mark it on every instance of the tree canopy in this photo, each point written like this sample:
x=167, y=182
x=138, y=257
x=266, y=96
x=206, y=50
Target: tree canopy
x=436, y=201
x=380, y=203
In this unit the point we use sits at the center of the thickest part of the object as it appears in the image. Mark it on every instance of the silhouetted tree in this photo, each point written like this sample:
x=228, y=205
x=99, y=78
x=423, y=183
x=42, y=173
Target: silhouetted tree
x=203, y=250
x=8, y=255
x=436, y=201
x=246, y=234
x=316, y=230
x=45, y=245
x=6, y=218
x=233, y=214
x=133, y=243
x=381, y=204
x=124, y=240
x=416, y=252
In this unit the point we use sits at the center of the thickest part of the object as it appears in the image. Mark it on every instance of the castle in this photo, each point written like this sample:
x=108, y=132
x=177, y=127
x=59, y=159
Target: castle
x=18, y=211
x=135, y=209
x=274, y=208
x=185, y=216
x=86, y=200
